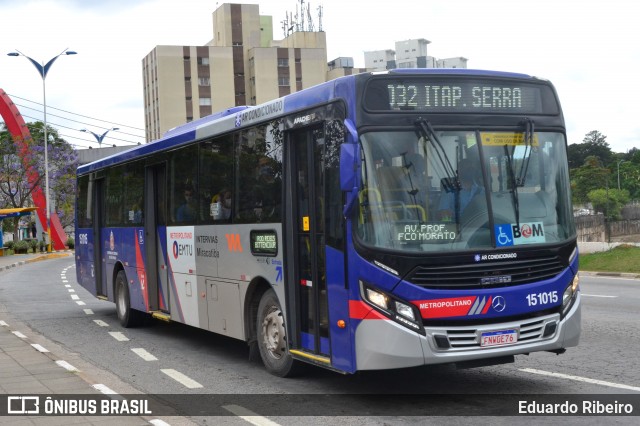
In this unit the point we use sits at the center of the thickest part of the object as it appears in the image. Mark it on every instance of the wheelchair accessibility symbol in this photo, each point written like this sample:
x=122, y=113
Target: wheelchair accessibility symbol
x=504, y=235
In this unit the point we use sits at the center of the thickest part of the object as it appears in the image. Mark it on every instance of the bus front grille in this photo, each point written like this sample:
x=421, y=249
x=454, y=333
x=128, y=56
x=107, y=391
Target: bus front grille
x=487, y=274
x=469, y=338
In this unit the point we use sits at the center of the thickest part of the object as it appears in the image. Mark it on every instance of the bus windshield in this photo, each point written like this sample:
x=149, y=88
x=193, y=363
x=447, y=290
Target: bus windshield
x=457, y=190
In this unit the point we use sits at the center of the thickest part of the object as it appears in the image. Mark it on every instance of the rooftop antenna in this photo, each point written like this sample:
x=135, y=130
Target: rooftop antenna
x=299, y=22
x=311, y=26
x=285, y=25
x=320, y=18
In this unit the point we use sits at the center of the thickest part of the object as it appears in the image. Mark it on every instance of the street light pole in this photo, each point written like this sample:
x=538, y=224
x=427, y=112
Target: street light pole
x=619, y=162
x=98, y=137
x=43, y=69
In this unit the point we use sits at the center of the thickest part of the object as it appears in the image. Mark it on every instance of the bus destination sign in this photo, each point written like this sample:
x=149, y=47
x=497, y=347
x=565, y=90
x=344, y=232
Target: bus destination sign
x=458, y=96
x=264, y=242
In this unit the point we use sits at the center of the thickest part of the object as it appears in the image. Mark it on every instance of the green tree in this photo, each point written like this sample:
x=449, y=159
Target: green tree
x=609, y=201
x=590, y=176
x=594, y=144
x=628, y=166
x=16, y=186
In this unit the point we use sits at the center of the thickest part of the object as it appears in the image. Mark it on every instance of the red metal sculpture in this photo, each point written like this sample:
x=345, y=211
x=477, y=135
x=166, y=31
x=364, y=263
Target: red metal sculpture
x=20, y=132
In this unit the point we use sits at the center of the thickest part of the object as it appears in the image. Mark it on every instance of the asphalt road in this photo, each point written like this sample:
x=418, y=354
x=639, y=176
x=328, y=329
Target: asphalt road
x=176, y=361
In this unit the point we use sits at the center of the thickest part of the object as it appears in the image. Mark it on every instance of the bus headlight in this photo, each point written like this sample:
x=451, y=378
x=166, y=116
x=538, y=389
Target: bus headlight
x=569, y=295
x=403, y=313
x=377, y=298
x=405, y=310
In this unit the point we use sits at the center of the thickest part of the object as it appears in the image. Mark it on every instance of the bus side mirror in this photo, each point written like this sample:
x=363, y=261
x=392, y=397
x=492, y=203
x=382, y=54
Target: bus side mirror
x=349, y=174
x=350, y=167
x=349, y=158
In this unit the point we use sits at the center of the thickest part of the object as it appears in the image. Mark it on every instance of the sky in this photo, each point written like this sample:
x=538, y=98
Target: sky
x=588, y=49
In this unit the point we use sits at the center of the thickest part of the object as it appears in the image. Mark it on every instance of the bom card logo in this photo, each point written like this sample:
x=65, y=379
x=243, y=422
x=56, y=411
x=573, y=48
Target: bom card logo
x=509, y=234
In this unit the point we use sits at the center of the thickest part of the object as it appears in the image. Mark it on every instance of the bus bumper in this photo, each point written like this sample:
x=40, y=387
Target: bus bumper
x=383, y=344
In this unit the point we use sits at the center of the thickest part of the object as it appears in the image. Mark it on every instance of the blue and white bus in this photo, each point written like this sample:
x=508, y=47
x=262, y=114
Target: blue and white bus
x=375, y=221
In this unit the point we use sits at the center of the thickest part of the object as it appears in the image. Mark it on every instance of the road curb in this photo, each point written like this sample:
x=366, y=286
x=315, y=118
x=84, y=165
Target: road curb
x=12, y=265
x=610, y=274
x=47, y=256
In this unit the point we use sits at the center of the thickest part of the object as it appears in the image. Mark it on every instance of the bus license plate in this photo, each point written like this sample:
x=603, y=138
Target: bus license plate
x=498, y=337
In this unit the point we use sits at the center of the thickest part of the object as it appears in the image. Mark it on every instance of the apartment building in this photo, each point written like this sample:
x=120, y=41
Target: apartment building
x=342, y=66
x=409, y=54
x=241, y=65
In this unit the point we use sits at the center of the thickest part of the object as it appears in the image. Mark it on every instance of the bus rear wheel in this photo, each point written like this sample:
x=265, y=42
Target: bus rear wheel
x=127, y=316
x=272, y=337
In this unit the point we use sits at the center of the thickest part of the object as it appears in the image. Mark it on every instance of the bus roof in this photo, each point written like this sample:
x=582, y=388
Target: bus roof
x=237, y=116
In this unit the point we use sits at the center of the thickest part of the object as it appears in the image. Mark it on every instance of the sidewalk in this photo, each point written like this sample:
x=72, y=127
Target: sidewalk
x=29, y=369
x=12, y=261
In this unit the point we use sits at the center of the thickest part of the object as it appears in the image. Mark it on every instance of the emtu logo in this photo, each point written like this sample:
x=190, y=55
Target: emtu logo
x=182, y=249
x=233, y=242
x=175, y=249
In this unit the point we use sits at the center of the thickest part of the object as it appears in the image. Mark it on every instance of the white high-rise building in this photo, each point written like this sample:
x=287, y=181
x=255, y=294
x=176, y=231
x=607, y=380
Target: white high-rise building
x=409, y=54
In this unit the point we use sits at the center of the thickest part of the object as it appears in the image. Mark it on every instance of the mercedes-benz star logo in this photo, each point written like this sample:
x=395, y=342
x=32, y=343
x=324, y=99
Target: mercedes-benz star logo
x=498, y=304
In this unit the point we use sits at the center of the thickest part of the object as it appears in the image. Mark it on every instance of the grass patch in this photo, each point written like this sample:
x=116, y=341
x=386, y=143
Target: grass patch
x=623, y=258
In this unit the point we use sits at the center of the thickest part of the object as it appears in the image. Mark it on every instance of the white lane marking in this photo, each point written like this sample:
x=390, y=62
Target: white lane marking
x=598, y=295
x=580, y=379
x=71, y=290
x=142, y=353
x=75, y=297
x=158, y=422
x=39, y=348
x=65, y=281
x=67, y=285
x=67, y=366
x=249, y=416
x=101, y=323
x=3, y=324
x=81, y=303
x=20, y=335
x=104, y=389
x=88, y=311
x=181, y=378
x=119, y=336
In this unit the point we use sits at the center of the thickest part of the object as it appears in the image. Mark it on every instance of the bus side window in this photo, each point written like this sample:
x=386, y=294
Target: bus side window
x=184, y=186
x=215, y=176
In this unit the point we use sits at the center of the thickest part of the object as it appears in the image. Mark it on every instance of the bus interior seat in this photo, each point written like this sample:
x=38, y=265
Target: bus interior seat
x=538, y=207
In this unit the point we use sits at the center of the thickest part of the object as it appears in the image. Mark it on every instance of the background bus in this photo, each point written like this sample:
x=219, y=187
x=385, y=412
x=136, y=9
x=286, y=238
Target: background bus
x=375, y=221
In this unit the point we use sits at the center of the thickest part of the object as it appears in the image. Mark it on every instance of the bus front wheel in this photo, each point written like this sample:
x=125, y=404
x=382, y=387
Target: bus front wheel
x=272, y=338
x=127, y=316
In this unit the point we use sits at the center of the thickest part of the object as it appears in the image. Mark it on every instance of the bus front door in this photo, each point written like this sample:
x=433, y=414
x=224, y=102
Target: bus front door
x=154, y=229
x=308, y=243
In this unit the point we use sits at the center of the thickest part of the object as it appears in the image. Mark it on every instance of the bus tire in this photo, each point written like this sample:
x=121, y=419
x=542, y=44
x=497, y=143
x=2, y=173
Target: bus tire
x=272, y=339
x=127, y=316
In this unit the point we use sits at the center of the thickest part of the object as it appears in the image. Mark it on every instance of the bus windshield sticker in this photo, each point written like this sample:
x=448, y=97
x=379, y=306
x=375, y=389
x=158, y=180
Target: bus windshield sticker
x=510, y=235
x=426, y=232
x=260, y=112
x=505, y=138
x=264, y=243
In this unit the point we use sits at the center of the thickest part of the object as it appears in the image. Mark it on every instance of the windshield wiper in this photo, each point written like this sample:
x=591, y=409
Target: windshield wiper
x=529, y=131
x=512, y=184
x=520, y=179
x=451, y=182
x=413, y=192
